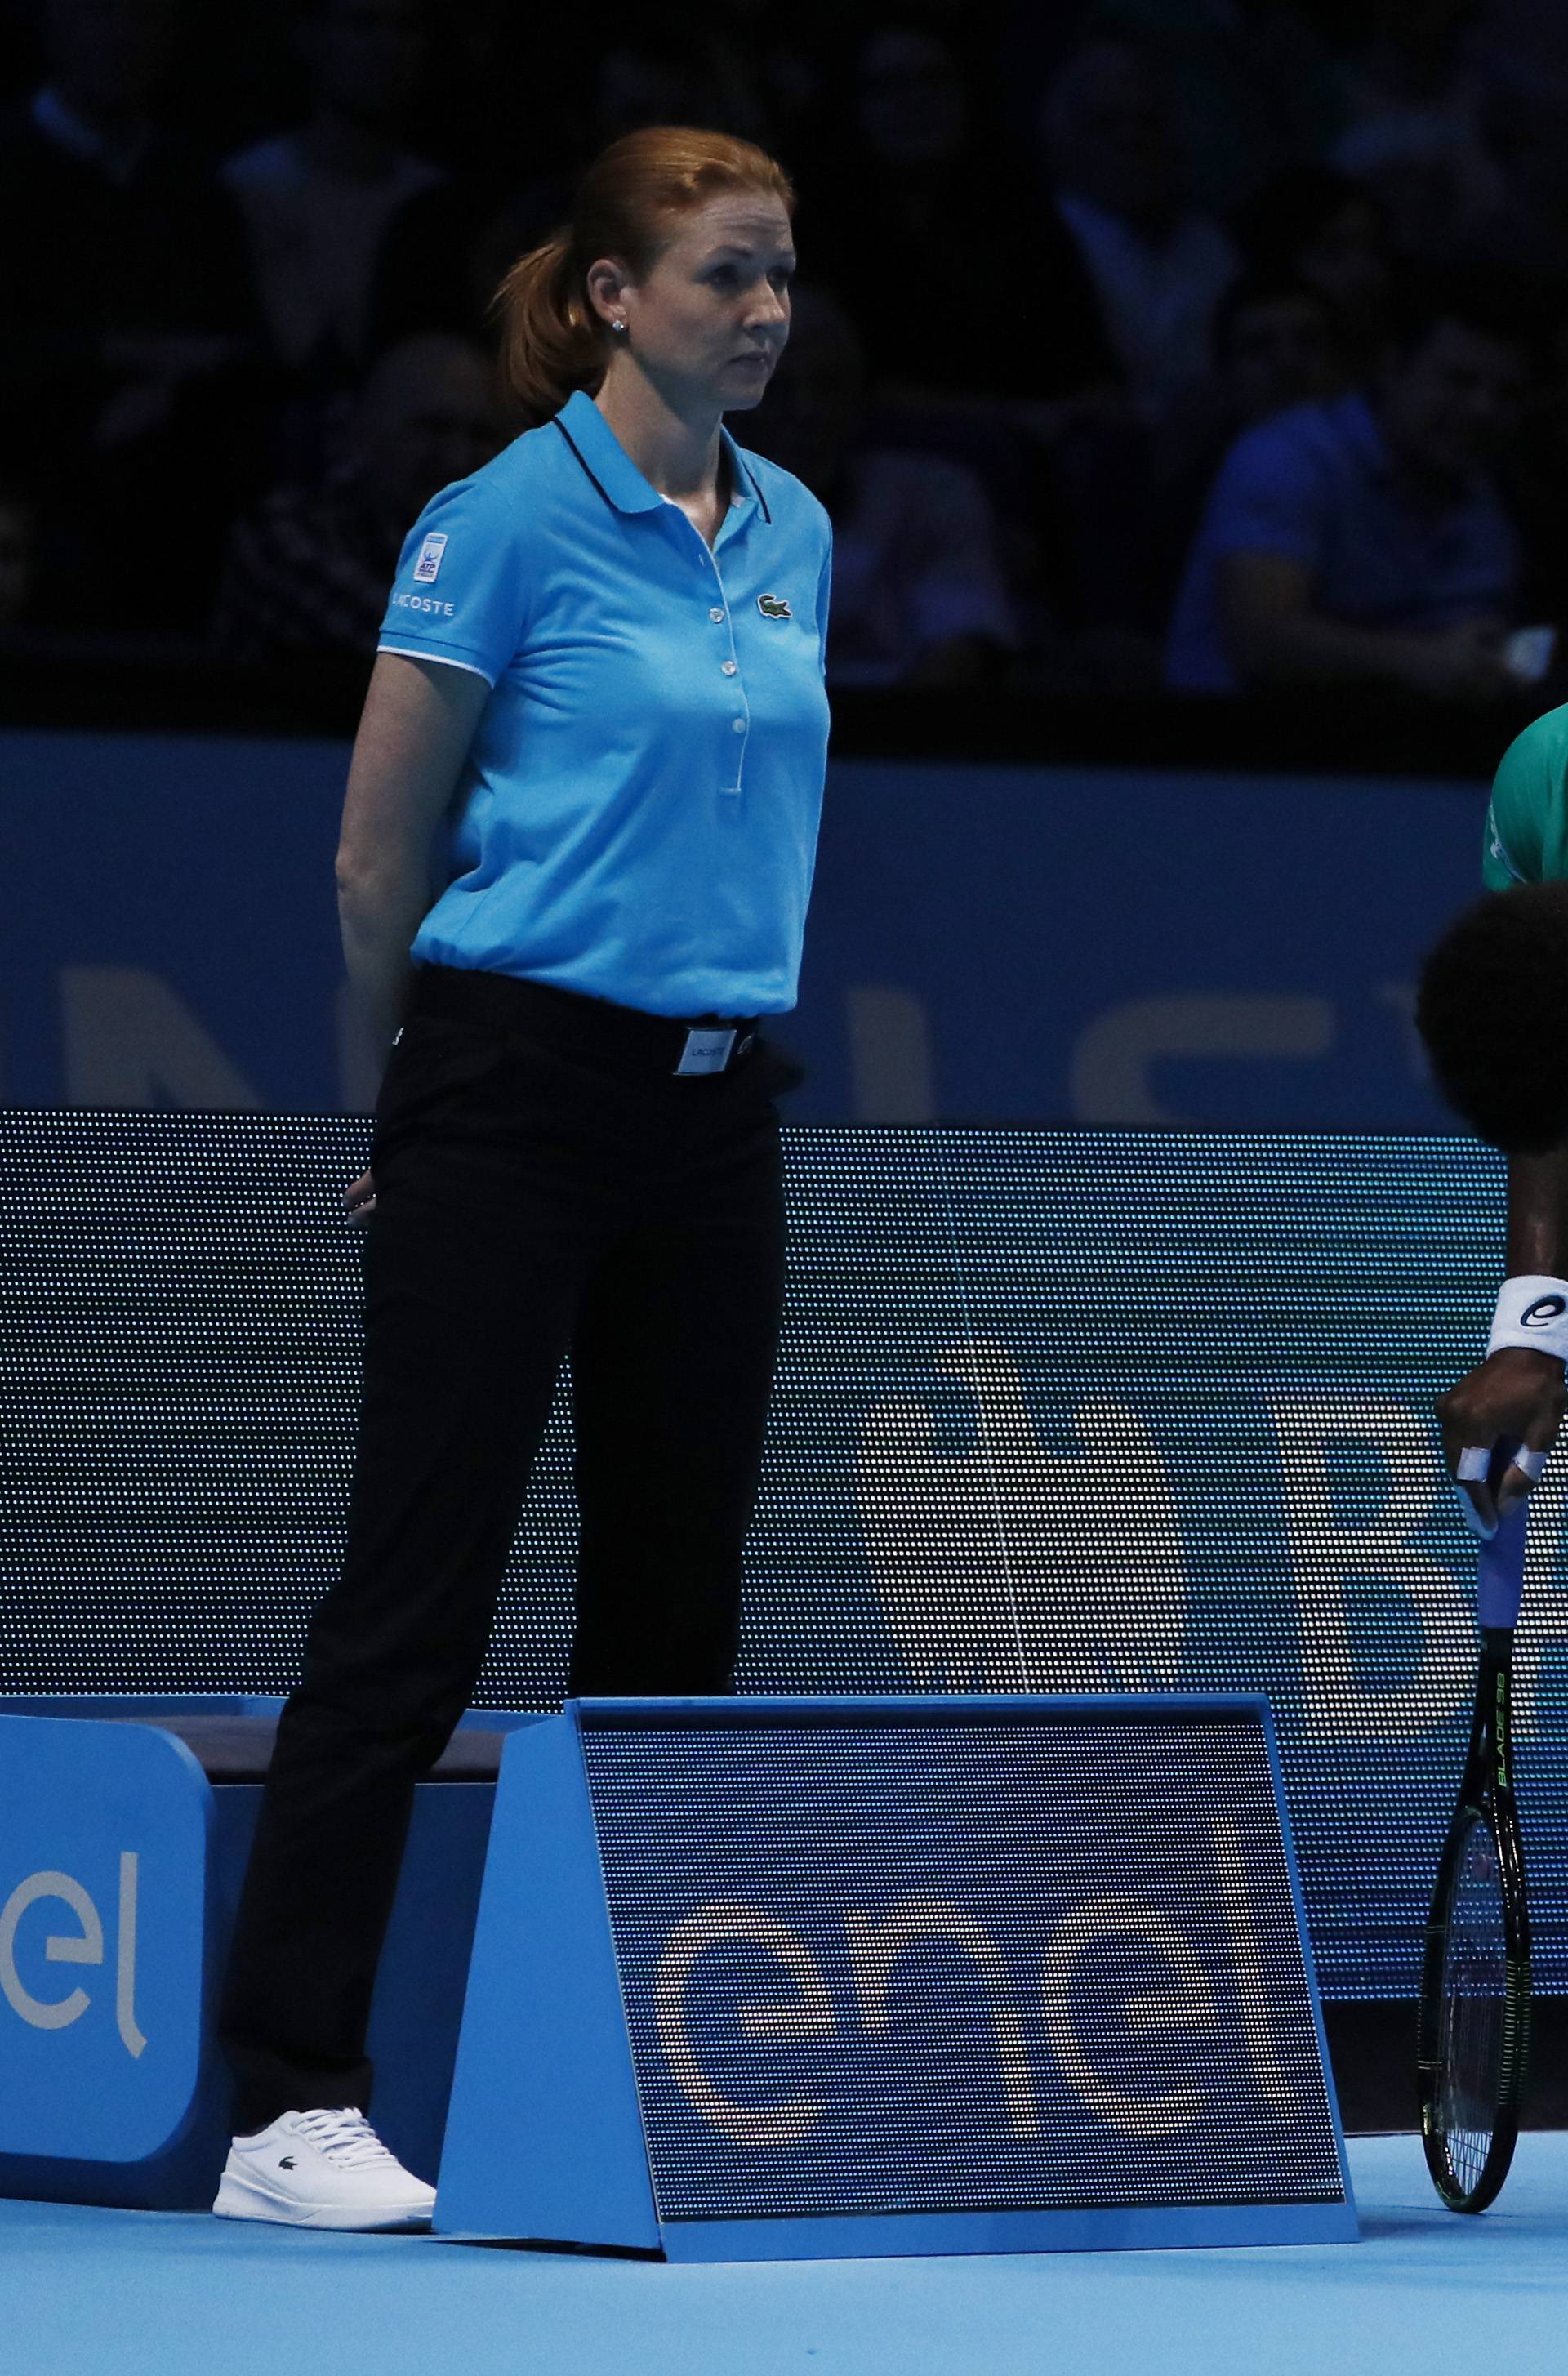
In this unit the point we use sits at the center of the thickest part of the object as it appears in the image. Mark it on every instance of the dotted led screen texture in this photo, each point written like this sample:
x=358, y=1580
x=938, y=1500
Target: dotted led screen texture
x=1056, y=1411
x=895, y=1967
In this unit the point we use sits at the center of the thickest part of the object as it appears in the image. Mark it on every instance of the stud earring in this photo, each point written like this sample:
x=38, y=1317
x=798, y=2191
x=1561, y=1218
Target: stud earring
x=617, y=324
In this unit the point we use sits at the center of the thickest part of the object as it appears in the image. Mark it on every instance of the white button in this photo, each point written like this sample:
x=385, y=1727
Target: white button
x=718, y=617
x=740, y=726
x=729, y=668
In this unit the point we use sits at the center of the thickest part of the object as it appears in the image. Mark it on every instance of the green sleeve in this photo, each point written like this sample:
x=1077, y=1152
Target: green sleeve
x=1526, y=824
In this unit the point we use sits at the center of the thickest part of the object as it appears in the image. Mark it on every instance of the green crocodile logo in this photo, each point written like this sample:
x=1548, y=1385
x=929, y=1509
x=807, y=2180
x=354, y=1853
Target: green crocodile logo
x=773, y=606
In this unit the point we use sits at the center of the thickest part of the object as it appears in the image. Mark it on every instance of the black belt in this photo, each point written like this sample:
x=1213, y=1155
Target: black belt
x=594, y=1026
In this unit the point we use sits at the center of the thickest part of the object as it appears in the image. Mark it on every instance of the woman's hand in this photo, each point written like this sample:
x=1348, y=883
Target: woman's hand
x=359, y=1198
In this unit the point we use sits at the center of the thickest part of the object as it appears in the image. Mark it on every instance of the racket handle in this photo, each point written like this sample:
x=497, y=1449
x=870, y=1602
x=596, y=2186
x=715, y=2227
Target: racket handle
x=1500, y=1583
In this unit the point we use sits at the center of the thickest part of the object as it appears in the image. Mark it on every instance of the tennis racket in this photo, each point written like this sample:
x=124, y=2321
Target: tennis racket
x=1474, y=2034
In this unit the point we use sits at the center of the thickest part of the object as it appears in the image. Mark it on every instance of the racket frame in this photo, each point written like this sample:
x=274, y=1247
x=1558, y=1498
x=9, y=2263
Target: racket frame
x=1485, y=1794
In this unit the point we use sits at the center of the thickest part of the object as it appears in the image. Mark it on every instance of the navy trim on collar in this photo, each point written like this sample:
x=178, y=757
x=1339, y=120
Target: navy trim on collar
x=559, y=423
x=617, y=478
x=736, y=456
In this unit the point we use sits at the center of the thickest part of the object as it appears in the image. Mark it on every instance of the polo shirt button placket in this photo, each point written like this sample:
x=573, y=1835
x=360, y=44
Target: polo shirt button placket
x=719, y=615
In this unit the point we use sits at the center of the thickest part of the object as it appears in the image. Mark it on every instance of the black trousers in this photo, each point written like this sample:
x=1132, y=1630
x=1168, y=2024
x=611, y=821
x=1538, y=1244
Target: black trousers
x=545, y=1184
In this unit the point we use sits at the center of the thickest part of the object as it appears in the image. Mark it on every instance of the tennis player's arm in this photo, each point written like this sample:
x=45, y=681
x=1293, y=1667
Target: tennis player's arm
x=417, y=721
x=1516, y=1392
x=1537, y=1216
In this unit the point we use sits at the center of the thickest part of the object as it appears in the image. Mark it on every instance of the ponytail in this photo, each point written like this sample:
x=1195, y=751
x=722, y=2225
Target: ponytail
x=552, y=341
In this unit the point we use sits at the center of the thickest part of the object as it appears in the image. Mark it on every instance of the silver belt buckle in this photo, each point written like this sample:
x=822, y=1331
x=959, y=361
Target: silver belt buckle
x=706, y=1051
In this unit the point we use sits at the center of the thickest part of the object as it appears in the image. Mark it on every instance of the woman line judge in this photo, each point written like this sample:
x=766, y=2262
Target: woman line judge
x=577, y=850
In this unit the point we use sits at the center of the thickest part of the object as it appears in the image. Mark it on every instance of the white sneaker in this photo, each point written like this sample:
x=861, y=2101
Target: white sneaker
x=321, y=2170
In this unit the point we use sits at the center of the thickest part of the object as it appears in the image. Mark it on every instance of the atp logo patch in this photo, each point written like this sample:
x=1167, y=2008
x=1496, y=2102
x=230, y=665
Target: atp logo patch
x=774, y=606
x=427, y=566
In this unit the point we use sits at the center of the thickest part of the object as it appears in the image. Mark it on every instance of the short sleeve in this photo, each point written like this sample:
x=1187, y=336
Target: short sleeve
x=461, y=591
x=823, y=597
x=1524, y=822
x=1267, y=498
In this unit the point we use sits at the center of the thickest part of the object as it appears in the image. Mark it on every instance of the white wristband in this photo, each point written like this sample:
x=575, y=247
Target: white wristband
x=1533, y=1312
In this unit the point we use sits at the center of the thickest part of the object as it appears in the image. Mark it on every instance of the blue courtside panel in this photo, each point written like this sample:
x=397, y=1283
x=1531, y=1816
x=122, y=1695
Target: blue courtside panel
x=100, y=1707
x=705, y=2016
x=1125, y=2228
x=545, y=2136
x=1271, y=1738
x=103, y=1880
x=982, y=1709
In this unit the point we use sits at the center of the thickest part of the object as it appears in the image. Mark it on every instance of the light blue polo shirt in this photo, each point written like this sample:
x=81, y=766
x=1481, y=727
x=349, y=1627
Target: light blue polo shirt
x=1319, y=485
x=637, y=815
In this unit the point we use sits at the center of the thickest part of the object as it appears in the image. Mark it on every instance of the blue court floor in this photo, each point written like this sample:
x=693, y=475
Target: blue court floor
x=86, y=2293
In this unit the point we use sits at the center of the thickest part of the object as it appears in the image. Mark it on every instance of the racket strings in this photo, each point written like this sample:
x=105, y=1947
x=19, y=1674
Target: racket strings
x=1475, y=2007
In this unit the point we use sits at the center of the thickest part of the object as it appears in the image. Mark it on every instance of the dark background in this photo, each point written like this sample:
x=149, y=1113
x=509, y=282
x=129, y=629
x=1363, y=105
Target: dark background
x=243, y=333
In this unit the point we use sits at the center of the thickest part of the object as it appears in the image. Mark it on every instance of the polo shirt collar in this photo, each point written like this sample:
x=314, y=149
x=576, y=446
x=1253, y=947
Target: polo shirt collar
x=617, y=477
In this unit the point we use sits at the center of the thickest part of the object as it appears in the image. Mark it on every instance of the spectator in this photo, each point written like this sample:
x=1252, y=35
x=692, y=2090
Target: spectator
x=318, y=201
x=124, y=311
x=1158, y=266
x=1416, y=136
x=308, y=572
x=1128, y=497
x=85, y=156
x=1360, y=540
x=1252, y=84
x=919, y=592
x=447, y=252
x=921, y=183
x=1313, y=224
x=134, y=244
x=1274, y=348
x=1527, y=232
x=764, y=70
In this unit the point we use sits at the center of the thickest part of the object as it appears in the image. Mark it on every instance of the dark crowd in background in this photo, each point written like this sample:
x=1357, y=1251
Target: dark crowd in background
x=1215, y=344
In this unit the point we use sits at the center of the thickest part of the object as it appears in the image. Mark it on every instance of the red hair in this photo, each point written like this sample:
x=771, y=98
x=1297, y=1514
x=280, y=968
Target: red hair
x=551, y=339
